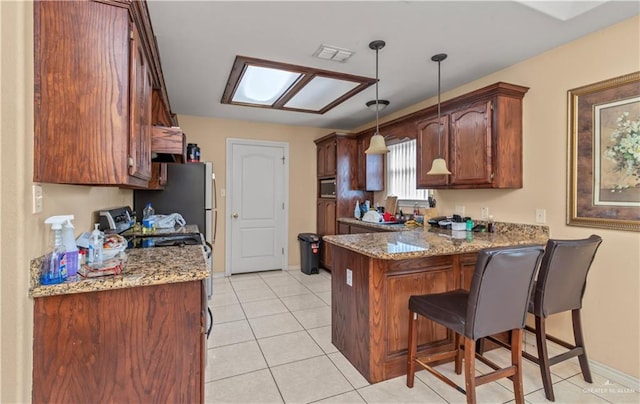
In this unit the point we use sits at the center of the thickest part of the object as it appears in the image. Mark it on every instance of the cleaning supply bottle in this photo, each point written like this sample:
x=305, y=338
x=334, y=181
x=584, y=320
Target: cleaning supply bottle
x=356, y=211
x=96, y=241
x=69, y=241
x=55, y=270
x=147, y=224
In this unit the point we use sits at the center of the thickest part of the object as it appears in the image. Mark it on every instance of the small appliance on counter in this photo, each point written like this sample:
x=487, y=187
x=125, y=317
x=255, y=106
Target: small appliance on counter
x=116, y=220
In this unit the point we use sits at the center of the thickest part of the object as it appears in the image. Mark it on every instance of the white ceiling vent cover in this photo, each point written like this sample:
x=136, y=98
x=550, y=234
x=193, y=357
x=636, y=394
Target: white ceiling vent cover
x=330, y=52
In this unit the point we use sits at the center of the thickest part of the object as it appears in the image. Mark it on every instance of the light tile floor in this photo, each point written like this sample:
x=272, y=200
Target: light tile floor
x=271, y=343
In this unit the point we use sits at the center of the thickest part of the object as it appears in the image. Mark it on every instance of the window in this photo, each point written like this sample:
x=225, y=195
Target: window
x=401, y=171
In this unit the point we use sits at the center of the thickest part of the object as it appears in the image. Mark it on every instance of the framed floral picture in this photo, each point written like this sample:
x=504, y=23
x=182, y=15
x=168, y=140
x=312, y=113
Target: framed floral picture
x=604, y=154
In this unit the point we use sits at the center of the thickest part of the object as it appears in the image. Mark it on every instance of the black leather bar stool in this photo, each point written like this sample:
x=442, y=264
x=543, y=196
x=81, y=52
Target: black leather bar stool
x=497, y=302
x=559, y=287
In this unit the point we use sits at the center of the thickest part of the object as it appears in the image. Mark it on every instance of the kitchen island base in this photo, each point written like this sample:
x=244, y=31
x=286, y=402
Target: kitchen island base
x=370, y=317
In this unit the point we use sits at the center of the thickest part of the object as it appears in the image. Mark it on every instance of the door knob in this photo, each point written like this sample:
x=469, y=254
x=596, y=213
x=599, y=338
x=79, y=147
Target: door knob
x=235, y=215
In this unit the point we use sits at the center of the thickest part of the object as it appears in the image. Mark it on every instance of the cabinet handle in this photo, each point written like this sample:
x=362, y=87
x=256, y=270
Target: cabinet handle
x=130, y=161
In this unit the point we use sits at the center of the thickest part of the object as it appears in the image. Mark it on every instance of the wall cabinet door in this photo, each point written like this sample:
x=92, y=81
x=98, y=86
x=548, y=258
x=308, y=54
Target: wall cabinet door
x=140, y=106
x=326, y=225
x=370, y=168
x=427, y=147
x=470, y=136
x=327, y=152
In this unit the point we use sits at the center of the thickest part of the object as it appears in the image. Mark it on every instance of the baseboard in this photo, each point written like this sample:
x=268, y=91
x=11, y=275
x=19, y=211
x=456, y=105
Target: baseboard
x=218, y=275
x=293, y=268
x=615, y=375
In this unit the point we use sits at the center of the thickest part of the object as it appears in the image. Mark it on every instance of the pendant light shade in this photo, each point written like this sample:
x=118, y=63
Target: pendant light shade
x=439, y=166
x=377, y=145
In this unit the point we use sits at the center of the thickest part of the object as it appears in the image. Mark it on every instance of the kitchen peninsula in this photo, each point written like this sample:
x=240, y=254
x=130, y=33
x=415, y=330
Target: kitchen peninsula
x=374, y=274
x=134, y=337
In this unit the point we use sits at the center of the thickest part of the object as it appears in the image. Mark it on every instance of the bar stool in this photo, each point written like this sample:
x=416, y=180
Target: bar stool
x=559, y=287
x=497, y=302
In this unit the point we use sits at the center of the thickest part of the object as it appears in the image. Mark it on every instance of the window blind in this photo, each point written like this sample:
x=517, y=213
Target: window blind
x=401, y=171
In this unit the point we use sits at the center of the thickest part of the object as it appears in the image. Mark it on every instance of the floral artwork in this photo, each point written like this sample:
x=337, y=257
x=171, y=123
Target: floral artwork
x=604, y=154
x=625, y=150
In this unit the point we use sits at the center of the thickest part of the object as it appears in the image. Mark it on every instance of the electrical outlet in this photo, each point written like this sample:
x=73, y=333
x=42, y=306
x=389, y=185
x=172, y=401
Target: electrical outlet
x=541, y=216
x=36, y=193
x=349, y=277
x=484, y=213
x=460, y=210
x=223, y=192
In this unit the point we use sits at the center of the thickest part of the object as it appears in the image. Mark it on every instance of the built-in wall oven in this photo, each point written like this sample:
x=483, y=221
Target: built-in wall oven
x=327, y=188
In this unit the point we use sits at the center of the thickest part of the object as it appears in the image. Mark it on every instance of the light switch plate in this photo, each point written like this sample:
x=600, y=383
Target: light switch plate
x=36, y=192
x=484, y=213
x=541, y=215
x=349, y=277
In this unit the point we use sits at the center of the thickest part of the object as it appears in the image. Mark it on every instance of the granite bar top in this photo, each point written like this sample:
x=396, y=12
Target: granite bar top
x=426, y=242
x=145, y=266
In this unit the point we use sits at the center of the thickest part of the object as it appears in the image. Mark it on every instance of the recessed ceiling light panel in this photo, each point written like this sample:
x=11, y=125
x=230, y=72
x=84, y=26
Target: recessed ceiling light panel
x=268, y=84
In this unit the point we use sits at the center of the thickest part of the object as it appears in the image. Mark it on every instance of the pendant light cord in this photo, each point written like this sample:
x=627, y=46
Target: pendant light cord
x=439, y=123
x=377, y=100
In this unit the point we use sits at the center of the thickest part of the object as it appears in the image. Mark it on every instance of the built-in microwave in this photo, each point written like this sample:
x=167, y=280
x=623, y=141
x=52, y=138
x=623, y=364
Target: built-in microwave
x=328, y=188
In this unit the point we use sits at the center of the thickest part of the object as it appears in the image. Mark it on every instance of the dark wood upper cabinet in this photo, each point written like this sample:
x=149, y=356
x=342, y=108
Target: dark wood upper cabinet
x=481, y=140
x=427, y=150
x=327, y=155
x=96, y=66
x=370, y=167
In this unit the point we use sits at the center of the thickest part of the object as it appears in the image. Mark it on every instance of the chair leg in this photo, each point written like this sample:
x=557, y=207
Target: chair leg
x=543, y=358
x=470, y=369
x=577, y=333
x=412, y=348
x=516, y=360
x=458, y=360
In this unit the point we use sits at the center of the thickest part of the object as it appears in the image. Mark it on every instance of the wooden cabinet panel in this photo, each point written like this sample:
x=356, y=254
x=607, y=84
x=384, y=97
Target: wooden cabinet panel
x=370, y=167
x=140, y=107
x=400, y=288
x=427, y=150
x=471, y=157
x=326, y=225
x=327, y=158
x=142, y=344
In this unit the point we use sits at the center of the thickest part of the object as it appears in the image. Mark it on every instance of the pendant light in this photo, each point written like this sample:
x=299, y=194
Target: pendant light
x=439, y=166
x=377, y=145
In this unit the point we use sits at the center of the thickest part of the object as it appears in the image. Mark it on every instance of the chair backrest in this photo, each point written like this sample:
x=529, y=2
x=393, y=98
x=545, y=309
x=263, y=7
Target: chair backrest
x=500, y=289
x=563, y=275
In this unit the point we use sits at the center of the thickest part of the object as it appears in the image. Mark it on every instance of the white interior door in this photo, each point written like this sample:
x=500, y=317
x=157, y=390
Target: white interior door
x=257, y=212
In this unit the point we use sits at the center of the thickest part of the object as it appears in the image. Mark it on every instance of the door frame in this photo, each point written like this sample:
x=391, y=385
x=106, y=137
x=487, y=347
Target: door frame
x=229, y=185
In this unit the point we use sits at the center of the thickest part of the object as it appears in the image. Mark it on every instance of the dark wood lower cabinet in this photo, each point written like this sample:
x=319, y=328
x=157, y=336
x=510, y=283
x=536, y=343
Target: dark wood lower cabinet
x=142, y=344
x=370, y=317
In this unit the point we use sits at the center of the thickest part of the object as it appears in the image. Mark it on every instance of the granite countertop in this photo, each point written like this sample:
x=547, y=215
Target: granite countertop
x=385, y=227
x=145, y=266
x=177, y=230
x=426, y=242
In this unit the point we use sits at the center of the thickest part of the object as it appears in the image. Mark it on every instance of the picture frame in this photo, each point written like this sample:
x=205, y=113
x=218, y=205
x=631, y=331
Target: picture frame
x=604, y=154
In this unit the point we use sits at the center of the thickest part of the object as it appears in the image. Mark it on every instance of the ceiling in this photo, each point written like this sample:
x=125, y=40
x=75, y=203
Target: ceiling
x=199, y=40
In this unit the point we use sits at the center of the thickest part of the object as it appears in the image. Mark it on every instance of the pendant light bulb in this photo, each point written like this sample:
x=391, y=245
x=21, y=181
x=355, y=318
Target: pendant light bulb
x=439, y=166
x=377, y=144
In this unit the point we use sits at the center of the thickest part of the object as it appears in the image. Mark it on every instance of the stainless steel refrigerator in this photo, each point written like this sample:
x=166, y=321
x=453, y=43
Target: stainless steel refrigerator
x=190, y=191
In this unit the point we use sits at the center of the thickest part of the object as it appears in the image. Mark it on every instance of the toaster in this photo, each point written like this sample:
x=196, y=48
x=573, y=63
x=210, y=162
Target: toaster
x=116, y=220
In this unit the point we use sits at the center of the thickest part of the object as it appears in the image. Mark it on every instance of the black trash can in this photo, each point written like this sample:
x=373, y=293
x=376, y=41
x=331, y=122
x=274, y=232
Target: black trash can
x=309, y=253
